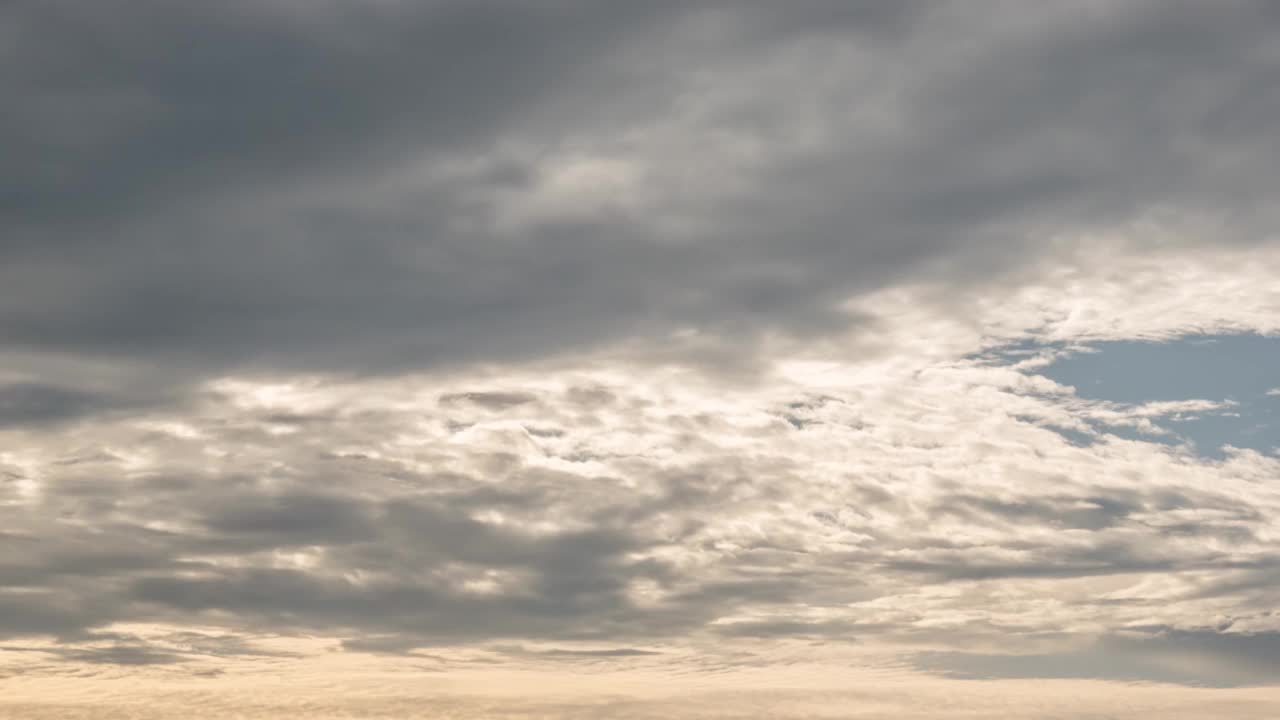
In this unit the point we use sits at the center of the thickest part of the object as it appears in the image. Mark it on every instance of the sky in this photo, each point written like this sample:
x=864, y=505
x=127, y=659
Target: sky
x=708, y=359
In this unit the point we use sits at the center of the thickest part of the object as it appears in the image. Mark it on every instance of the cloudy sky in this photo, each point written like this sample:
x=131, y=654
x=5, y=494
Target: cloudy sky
x=566, y=360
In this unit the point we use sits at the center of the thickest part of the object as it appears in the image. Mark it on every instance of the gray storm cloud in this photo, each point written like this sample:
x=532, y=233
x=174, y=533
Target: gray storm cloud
x=370, y=186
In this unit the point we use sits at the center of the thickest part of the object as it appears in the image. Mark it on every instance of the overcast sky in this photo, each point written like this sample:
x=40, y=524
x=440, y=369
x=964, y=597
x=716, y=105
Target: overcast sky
x=718, y=359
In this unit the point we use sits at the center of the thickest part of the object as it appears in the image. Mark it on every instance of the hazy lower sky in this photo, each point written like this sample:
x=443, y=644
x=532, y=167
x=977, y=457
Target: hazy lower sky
x=627, y=359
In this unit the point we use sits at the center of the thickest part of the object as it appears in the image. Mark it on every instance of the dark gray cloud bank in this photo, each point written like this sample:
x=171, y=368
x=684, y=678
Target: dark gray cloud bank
x=375, y=189
x=295, y=185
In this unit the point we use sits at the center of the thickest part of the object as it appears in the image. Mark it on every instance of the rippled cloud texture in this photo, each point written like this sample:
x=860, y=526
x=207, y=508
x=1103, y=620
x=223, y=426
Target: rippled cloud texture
x=563, y=360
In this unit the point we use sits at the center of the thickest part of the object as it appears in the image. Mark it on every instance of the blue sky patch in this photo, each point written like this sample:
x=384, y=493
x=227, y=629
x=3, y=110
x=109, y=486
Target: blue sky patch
x=1242, y=368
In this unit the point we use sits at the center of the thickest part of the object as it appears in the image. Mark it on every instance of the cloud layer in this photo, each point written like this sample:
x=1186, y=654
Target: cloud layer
x=356, y=187
x=690, y=338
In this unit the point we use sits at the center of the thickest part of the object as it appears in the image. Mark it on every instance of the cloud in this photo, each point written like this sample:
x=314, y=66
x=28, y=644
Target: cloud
x=401, y=186
x=701, y=338
x=892, y=499
x=122, y=655
x=1202, y=657
x=26, y=404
